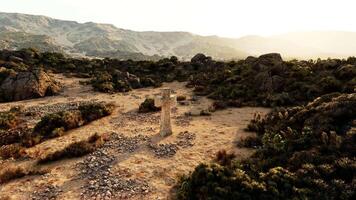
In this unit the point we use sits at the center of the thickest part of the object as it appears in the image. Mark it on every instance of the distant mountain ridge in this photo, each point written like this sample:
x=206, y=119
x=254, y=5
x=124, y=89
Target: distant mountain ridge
x=93, y=39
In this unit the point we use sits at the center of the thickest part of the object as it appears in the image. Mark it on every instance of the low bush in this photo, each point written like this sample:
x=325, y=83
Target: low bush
x=250, y=142
x=148, y=106
x=56, y=124
x=95, y=111
x=11, y=172
x=12, y=151
x=8, y=119
x=181, y=98
x=76, y=149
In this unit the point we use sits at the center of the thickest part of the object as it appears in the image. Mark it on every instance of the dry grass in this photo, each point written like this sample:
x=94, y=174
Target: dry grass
x=12, y=151
x=76, y=149
x=11, y=172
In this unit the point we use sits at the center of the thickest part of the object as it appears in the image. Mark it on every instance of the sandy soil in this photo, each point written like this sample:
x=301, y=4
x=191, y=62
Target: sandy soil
x=213, y=133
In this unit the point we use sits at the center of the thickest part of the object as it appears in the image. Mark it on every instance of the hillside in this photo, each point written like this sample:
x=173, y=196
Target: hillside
x=99, y=39
x=105, y=40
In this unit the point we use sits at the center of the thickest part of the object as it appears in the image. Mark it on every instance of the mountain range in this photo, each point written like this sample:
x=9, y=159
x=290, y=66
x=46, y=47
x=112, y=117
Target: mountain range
x=105, y=40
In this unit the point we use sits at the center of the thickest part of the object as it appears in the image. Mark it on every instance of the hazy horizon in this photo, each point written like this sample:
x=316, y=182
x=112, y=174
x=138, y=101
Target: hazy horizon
x=223, y=18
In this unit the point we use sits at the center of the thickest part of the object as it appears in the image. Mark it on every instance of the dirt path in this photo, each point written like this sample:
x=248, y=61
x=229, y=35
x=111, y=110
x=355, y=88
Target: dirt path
x=204, y=136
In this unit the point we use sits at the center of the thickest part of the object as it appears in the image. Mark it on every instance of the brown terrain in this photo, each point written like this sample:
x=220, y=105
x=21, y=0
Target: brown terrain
x=136, y=163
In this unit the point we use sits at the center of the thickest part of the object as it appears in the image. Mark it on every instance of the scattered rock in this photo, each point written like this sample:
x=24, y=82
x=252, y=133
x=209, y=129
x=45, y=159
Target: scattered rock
x=185, y=139
x=49, y=192
x=163, y=150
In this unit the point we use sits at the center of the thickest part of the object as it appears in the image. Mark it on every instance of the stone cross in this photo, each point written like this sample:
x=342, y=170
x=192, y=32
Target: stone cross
x=165, y=101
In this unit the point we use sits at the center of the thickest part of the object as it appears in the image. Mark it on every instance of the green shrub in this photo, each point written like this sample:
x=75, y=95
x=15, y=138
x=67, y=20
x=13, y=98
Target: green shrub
x=95, y=111
x=307, y=152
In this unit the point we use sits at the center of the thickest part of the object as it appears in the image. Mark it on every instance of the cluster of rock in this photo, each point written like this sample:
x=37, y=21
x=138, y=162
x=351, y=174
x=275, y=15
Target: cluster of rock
x=49, y=192
x=163, y=150
x=101, y=182
x=124, y=144
x=184, y=140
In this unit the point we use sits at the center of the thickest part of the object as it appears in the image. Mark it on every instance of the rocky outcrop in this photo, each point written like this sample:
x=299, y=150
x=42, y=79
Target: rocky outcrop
x=201, y=58
x=267, y=61
x=27, y=85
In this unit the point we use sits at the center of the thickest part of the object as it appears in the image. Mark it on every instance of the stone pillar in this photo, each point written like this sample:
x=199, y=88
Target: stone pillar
x=166, y=101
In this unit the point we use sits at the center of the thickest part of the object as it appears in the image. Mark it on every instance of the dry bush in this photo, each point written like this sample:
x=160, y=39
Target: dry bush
x=224, y=158
x=11, y=172
x=8, y=119
x=148, y=106
x=181, y=98
x=12, y=151
x=76, y=149
x=249, y=142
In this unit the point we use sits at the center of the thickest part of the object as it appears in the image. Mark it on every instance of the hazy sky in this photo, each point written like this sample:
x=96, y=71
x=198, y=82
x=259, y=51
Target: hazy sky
x=232, y=18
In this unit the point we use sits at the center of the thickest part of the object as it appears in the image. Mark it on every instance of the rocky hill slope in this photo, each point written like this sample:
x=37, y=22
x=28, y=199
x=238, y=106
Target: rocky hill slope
x=105, y=40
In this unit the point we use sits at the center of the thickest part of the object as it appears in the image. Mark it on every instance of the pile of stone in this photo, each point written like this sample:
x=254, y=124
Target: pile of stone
x=125, y=144
x=49, y=192
x=133, y=116
x=101, y=182
x=113, y=187
x=185, y=139
x=183, y=120
x=163, y=150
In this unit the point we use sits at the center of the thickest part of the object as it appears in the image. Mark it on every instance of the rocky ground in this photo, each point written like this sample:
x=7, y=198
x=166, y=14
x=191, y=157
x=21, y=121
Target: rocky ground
x=136, y=162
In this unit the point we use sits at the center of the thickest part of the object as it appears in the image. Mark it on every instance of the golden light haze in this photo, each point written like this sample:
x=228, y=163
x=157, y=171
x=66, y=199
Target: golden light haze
x=229, y=18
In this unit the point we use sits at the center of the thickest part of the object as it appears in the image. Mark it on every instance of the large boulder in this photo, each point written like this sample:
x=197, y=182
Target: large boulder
x=201, y=58
x=346, y=72
x=268, y=61
x=27, y=85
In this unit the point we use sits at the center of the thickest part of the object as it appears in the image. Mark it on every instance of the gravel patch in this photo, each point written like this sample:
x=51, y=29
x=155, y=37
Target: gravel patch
x=133, y=117
x=182, y=121
x=49, y=192
x=125, y=144
x=101, y=181
x=186, y=139
x=163, y=150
